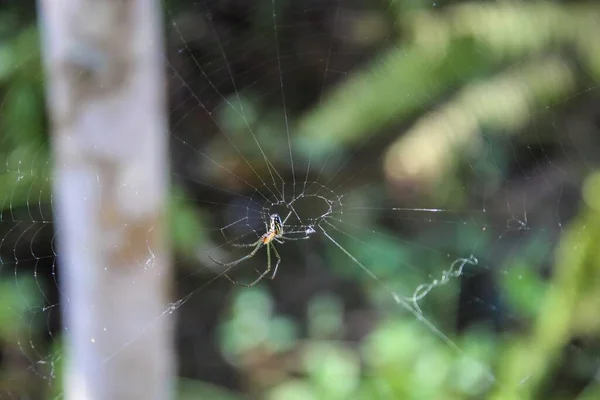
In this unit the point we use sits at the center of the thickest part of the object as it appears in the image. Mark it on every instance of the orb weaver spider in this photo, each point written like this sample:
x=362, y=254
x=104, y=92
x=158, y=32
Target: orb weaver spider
x=274, y=233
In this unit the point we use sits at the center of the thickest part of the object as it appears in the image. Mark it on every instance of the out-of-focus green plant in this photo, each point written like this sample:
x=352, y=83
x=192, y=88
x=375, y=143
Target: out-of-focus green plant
x=23, y=179
x=20, y=323
x=252, y=324
x=449, y=49
x=186, y=229
x=468, y=49
x=23, y=143
x=569, y=308
x=189, y=389
x=399, y=359
x=402, y=359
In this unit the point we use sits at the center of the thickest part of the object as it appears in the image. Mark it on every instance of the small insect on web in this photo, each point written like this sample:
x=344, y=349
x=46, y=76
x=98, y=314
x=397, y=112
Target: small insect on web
x=274, y=232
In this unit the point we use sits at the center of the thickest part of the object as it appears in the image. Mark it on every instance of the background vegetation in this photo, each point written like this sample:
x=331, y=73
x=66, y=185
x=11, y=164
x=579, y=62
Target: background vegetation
x=489, y=110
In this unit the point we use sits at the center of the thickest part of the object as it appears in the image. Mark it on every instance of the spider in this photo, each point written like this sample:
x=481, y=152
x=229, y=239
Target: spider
x=274, y=233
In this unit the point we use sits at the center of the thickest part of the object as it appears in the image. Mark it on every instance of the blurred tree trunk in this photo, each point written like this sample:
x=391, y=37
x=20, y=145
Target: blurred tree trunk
x=107, y=105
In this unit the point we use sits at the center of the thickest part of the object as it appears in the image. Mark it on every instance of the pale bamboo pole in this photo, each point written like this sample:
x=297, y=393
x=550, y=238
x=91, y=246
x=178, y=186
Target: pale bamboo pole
x=106, y=98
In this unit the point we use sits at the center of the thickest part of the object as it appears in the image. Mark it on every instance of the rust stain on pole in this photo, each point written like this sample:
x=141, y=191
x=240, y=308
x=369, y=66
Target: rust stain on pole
x=137, y=242
x=134, y=238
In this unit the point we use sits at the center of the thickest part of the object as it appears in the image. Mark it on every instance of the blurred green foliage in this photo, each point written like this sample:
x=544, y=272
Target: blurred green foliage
x=509, y=61
x=399, y=358
x=504, y=64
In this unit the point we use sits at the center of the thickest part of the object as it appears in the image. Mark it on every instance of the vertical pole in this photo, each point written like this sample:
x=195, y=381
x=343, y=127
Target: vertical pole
x=107, y=106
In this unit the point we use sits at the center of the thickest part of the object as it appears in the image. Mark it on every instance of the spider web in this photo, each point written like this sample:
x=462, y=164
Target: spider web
x=249, y=83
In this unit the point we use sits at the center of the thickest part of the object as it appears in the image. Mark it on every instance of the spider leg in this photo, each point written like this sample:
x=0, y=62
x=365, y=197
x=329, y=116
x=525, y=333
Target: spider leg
x=276, y=264
x=247, y=245
x=294, y=238
x=266, y=272
x=236, y=262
